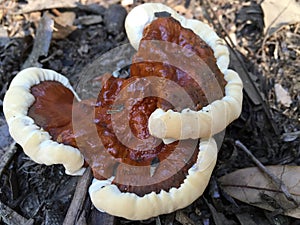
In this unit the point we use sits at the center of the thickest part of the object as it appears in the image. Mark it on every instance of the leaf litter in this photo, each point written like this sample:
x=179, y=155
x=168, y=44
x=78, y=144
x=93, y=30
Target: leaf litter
x=268, y=124
x=252, y=186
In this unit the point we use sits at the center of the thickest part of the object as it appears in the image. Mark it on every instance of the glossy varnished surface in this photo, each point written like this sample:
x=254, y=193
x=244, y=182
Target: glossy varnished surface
x=111, y=132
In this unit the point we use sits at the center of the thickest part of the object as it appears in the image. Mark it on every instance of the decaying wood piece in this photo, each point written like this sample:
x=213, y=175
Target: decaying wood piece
x=78, y=198
x=9, y=216
x=157, y=220
x=41, y=43
x=75, y=214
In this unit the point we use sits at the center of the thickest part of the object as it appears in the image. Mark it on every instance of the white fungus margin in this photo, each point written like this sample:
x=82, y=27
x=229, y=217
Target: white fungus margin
x=35, y=141
x=108, y=198
x=215, y=117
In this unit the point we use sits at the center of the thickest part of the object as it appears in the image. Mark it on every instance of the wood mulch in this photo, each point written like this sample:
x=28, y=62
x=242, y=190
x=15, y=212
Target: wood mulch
x=70, y=36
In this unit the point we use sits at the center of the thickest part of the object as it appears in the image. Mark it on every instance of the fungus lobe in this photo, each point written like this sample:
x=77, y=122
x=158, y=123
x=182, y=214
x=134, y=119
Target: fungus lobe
x=127, y=151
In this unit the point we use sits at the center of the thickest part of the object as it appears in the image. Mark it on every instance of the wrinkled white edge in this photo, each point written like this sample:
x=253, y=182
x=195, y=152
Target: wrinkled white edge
x=108, y=198
x=35, y=141
x=211, y=119
x=206, y=122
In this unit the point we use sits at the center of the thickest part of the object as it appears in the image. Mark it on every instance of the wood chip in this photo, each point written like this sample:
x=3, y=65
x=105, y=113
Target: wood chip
x=4, y=36
x=218, y=217
x=11, y=217
x=90, y=20
x=63, y=25
x=65, y=18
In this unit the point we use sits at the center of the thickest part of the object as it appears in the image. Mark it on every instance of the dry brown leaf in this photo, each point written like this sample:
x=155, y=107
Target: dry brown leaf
x=252, y=186
x=33, y=5
x=65, y=18
x=279, y=13
x=63, y=25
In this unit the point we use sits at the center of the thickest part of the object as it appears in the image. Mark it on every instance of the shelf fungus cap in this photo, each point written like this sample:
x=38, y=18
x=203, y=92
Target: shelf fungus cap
x=108, y=198
x=36, y=142
x=212, y=118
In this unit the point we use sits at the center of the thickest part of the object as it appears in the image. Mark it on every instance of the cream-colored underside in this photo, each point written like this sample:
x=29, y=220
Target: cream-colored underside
x=211, y=119
x=107, y=197
x=35, y=141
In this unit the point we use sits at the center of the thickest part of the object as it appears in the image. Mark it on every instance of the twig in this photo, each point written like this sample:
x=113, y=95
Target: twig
x=9, y=216
x=279, y=183
x=78, y=198
x=41, y=43
x=218, y=217
x=8, y=155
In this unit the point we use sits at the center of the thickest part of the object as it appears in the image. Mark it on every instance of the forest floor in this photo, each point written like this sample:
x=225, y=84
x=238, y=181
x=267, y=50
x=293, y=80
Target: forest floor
x=264, y=41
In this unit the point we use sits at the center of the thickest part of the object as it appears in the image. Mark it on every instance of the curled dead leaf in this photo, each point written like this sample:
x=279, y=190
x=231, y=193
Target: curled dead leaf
x=251, y=186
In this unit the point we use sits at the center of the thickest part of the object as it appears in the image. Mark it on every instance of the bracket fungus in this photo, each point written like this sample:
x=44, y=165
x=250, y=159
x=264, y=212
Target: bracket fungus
x=215, y=116
x=148, y=137
x=35, y=141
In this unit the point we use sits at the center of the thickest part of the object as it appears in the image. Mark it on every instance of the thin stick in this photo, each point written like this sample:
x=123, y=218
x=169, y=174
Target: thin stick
x=7, y=157
x=11, y=217
x=41, y=43
x=279, y=183
x=78, y=198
